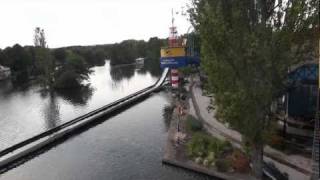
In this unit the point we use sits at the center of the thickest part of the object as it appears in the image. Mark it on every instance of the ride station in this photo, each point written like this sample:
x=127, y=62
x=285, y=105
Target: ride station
x=178, y=54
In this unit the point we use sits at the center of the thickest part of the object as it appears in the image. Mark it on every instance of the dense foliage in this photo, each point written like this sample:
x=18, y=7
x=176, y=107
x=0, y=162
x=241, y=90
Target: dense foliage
x=247, y=48
x=72, y=72
x=206, y=149
x=53, y=68
x=127, y=51
x=68, y=67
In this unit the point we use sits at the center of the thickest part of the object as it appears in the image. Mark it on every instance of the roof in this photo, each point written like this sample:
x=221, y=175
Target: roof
x=306, y=73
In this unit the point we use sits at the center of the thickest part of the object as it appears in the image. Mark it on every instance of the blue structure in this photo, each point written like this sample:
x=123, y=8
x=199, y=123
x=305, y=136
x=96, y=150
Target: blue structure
x=304, y=74
x=177, y=62
x=302, y=92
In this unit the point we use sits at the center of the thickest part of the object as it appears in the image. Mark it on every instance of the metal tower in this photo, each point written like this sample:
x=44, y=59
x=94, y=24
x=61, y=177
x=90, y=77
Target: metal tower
x=173, y=35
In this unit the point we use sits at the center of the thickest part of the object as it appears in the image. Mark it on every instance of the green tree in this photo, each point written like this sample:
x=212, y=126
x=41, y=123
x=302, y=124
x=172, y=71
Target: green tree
x=72, y=73
x=4, y=60
x=19, y=60
x=45, y=62
x=246, y=49
x=39, y=38
x=60, y=55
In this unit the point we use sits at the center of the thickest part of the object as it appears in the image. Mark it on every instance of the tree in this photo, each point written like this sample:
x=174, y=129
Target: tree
x=4, y=60
x=46, y=65
x=43, y=57
x=19, y=60
x=39, y=38
x=72, y=73
x=60, y=55
x=246, y=49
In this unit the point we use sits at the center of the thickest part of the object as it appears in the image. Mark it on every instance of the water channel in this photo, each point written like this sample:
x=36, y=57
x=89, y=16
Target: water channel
x=129, y=145
x=26, y=111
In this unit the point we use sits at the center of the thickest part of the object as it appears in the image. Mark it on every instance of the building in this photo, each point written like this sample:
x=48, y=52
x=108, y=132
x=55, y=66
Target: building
x=5, y=72
x=297, y=108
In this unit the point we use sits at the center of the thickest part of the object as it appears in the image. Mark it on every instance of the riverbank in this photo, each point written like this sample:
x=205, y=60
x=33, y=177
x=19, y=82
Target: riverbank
x=176, y=149
x=297, y=167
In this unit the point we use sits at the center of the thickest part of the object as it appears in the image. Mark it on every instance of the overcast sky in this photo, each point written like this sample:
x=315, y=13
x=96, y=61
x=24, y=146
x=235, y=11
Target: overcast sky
x=87, y=22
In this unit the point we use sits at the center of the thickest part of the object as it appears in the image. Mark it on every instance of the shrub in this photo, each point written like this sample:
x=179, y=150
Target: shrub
x=198, y=145
x=193, y=124
x=206, y=146
x=222, y=165
x=210, y=158
x=240, y=162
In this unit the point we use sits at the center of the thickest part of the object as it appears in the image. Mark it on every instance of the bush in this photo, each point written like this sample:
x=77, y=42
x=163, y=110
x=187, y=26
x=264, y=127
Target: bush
x=222, y=165
x=186, y=71
x=197, y=145
x=240, y=162
x=205, y=146
x=193, y=124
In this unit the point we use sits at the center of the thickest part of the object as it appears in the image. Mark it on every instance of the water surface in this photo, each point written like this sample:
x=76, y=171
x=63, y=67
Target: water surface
x=27, y=111
x=127, y=146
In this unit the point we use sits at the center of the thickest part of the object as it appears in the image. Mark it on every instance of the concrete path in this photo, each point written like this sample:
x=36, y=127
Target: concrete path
x=298, y=167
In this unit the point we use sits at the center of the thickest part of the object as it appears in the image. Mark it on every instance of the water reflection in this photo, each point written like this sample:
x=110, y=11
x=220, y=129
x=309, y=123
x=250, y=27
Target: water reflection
x=152, y=66
x=121, y=72
x=118, y=73
x=167, y=113
x=51, y=111
x=27, y=110
x=79, y=96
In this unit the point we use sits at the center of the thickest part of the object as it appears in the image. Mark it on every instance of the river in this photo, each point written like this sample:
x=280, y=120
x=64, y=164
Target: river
x=27, y=111
x=129, y=145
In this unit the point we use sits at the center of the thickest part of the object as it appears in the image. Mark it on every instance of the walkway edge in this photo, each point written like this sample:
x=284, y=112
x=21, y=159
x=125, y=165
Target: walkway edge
x=194, y=169
x=281, y=161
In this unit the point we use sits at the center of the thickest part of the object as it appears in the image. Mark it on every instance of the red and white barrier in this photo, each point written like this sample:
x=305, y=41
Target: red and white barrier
x=174, y=78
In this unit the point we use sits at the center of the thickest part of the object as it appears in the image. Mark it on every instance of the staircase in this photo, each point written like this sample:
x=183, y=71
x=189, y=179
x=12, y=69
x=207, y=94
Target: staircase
x=315, y=149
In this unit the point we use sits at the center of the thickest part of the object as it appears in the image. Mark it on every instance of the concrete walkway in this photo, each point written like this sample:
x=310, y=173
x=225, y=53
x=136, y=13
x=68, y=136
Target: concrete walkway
x=298, y=167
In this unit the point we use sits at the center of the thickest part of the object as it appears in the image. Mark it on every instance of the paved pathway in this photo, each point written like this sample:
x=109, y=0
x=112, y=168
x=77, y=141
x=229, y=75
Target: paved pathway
x=297, y=167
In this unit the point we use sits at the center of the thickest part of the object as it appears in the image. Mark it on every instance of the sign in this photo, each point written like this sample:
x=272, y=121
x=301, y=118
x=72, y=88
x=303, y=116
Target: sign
x=172, y=52
x=178, y=62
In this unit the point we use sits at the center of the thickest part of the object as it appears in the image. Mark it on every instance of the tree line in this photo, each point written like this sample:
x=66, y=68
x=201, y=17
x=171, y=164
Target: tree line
x=52, y=67
x=67, y=67
x=127, y=51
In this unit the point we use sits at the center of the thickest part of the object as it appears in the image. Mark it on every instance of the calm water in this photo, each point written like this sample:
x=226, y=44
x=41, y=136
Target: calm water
x=127, y=146
x=25, y=112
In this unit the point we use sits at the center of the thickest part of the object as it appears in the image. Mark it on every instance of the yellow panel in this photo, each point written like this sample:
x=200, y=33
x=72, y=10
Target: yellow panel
x=173, y=52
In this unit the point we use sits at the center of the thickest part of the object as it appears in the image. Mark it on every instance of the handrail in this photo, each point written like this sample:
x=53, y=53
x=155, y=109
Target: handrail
x=158, y=83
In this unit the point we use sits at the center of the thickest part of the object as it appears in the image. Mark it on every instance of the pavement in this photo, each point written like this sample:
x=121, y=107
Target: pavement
x=297, y=167
x=175, y=150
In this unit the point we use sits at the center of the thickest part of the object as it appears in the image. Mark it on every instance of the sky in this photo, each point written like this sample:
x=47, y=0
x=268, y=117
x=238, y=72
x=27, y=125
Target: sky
x=88, y=22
